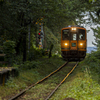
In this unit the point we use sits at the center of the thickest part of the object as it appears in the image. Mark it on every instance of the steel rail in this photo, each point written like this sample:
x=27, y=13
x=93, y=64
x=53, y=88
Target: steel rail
x=61, y=81
x=23, y=91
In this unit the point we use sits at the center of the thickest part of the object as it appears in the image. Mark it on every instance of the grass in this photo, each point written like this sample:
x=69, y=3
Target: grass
x=82, y=84
x=29, y=76
x=82, y=87
x=40, y=91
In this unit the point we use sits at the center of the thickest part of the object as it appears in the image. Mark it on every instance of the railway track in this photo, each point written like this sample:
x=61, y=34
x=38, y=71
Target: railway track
x=61, y=82
x=22, y=92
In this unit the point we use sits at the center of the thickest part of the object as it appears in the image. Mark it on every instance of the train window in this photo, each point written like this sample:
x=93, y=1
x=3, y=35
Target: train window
x=65, y=34
x=81, y=34
x=73, y=36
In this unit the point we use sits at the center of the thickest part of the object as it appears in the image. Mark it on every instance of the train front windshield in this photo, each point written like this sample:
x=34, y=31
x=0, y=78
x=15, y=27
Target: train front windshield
x=65, y=34
x=79, y=35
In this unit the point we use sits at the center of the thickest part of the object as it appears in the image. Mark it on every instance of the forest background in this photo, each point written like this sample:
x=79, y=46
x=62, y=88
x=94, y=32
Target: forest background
x=16, y=16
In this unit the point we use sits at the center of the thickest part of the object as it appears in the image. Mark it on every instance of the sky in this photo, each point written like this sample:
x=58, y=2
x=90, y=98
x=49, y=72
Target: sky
x=90, y=37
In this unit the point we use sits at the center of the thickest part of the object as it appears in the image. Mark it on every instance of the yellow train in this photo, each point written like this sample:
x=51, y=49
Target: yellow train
x=73, y=42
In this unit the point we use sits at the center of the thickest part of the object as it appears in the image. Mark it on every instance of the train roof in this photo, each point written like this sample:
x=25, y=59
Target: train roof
x=74, y=26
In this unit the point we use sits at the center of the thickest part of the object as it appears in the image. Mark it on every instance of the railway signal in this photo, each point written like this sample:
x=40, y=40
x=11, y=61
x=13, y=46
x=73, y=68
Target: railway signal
x=39, y=35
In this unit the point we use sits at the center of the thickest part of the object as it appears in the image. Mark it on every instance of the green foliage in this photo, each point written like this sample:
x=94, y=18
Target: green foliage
x=97, y=37
x=52, y=37
x=18, y=60
x=9, y=50
x=35, y=53
x=9, y=47
x=28, y=65
x=56, y=55
x=18, y=15
x=93, y=61
x=92, y=0
x=79, y=86
x=10, y=83
x=82, y=89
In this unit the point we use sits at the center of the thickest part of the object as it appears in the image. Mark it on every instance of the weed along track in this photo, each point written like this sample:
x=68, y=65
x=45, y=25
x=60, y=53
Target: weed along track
x=17, y=96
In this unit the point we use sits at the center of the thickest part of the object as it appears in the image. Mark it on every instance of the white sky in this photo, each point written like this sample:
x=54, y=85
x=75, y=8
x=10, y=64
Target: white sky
x=90, y=37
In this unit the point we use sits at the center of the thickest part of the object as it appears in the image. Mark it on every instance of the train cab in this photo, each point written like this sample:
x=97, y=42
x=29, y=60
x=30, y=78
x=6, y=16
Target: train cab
x=73, y=42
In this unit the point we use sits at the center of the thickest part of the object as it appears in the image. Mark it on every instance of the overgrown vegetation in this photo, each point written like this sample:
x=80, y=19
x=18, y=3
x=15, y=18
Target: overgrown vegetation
x=15, y=19
x=92, y=63
x=30, y=72
x=82, y=87
x=82, y=84
x=9, y=50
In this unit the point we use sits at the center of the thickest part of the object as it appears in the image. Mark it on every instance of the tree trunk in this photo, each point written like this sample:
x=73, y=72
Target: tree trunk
x=24, y=47
x=18, y=46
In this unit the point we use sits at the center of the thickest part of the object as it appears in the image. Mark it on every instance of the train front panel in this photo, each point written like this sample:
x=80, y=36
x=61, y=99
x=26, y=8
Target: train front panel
x=73, y=42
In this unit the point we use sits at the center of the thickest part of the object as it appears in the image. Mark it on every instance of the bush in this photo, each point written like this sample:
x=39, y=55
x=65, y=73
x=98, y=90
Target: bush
x=93, y=61
x=56, y=56
x=28, y=65
x=35, y=53
x=9, y=50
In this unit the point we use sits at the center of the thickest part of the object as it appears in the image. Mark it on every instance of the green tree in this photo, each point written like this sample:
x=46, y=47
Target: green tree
x=97, y=37
x=94, y=17
x=17, y=15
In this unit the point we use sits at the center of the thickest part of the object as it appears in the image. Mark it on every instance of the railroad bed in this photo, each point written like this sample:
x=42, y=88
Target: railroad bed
x=61, y=73
x=6, y=72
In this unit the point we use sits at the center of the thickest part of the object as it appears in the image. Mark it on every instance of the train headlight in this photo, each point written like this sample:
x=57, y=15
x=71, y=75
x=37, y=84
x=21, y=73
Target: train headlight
x=81, y=44
x=66, y=44
x=73, y=29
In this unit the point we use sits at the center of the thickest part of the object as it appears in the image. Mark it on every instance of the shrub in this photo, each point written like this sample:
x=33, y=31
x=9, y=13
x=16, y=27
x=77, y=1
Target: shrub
x=93, y=61
x=28, y=65
x=35, y=53
x=9, y=50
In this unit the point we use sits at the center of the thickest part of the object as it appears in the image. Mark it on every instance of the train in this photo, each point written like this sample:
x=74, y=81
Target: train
x=73, y=42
